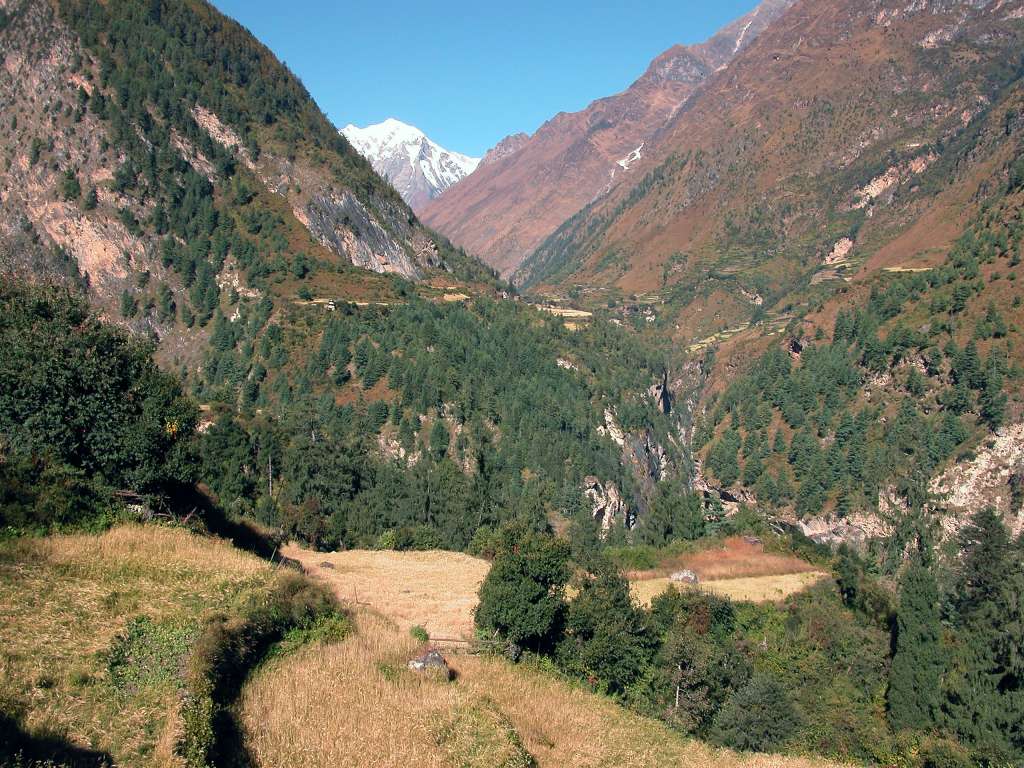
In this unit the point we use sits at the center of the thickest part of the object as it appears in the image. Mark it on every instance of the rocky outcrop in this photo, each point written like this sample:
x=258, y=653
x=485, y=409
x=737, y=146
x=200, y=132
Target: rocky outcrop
x=854, y=530
x=507, y=146
x=984, y=481
x=431, y=661
x=607, y=505
x=344, y=225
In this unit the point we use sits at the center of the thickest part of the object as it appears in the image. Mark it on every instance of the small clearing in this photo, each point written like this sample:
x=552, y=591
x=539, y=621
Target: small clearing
x=754, y=589
x=435, y=590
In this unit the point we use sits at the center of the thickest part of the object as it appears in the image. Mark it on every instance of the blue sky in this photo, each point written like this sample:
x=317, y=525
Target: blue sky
x=470, y=73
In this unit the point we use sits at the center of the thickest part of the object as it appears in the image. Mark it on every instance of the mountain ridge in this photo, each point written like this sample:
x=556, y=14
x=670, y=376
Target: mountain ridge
x=419, y=168
x=504, y=210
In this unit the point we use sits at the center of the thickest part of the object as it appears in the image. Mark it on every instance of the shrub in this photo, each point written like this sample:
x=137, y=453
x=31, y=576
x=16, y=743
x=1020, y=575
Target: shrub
x=522, y=598
x=230, y=646
x=759, y=717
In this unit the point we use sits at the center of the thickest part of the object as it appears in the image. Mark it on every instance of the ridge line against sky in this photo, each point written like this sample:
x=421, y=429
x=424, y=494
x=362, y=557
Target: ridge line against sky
x=469, y=74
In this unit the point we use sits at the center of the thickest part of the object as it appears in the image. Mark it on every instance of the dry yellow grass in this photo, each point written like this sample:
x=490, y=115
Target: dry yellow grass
x=756, y=589
x=435, y=590
x=62, y=601
x=355, y=704
x=733, y=558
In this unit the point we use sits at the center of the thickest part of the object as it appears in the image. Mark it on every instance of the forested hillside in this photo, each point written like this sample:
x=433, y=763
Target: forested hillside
x=166, y=157
x=887, y=384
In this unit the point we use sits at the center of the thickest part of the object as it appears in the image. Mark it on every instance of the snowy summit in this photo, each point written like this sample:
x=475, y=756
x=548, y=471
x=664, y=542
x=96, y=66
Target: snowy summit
x=420, y=169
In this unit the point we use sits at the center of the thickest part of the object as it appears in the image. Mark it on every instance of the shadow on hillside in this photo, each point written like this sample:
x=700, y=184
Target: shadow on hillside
x=18, y=748
x=243, y=534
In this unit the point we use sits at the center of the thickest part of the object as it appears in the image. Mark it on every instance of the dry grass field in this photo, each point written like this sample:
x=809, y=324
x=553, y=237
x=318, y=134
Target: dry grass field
x=435, y=590
x=356, y=704
x=63, y=599
x=735, y=558
x=737, y=569
x=755, y=589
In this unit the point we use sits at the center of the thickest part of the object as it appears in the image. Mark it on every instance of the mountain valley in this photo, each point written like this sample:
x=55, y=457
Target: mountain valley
x=687, y=430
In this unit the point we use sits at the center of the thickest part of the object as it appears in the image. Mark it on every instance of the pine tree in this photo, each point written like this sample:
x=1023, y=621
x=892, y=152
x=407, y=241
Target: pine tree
x=917, y=664
x=985, y=691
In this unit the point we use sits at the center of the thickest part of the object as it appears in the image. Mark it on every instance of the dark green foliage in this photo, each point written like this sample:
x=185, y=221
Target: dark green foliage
x=758, y=717
x=985, y=684
x=487, y=372
x=606, y=637
x=439, y=439
x=40, y=495
x=723, y=460
x=675, y=513
x=70, y=188
x=522, y=597
x=918, y=663
x=85, y=395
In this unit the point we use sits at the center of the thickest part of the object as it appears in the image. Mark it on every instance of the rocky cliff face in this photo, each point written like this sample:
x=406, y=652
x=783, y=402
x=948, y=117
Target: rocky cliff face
x=514, y=201
x=507, y=146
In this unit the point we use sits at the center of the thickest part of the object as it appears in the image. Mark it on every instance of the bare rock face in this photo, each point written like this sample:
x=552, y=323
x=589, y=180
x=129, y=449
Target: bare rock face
x=985, y=481
x=342, y=224
x=507, y=146
x=855, y=530
x=607, y=505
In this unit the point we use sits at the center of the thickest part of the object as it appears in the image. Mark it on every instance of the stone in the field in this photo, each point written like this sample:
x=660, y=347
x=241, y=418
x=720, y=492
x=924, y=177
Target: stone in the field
x=431, y=661
x=685, y=577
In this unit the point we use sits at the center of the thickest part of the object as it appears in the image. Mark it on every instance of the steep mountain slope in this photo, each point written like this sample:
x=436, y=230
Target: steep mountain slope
x=162, y=143
x=162, y=160
x=417, y=167
x=836, y=135
x=505, y=209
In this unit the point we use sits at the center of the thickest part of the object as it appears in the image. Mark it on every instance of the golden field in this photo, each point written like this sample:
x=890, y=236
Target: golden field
x=356, y=704
x=435, y=590
x=754, y=589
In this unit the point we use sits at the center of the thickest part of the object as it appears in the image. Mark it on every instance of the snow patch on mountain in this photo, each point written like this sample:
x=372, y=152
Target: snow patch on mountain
x=419, y=169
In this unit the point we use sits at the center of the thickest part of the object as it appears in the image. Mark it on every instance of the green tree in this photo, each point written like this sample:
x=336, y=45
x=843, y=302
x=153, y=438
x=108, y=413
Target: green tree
x=87, y=395
x=985, y=686
x=70, y=188
x=606, y=637
x=759, y=717
x=439, y=439
x=918, y=663
x=522, y=599
x=675, y=513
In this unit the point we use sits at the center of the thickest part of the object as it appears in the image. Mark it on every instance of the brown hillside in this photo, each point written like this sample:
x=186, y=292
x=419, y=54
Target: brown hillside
x=509, y=205
x=858, y=121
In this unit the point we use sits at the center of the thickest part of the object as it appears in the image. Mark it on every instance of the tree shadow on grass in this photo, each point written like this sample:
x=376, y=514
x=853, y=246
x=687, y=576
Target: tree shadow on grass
x=19, y=749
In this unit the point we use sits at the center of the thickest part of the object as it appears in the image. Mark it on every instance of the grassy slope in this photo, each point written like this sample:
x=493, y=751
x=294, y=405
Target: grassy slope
x=298, y=712
x=64, y=600
x=301, y=712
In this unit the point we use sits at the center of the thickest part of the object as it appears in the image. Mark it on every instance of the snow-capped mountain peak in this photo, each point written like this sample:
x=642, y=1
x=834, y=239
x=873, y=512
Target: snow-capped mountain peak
x=420, y=169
